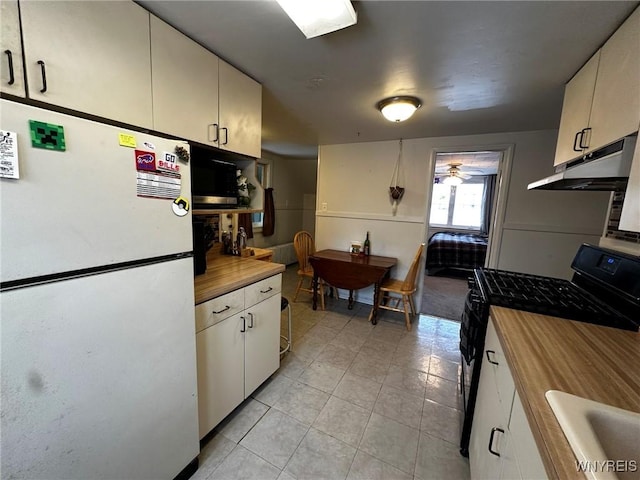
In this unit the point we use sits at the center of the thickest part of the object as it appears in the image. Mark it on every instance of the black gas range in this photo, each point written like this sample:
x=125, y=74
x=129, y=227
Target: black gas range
x=604, y=290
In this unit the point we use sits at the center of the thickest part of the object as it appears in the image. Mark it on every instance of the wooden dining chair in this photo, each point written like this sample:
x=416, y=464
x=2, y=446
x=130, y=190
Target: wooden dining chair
x=393, y=291
x=304, y=246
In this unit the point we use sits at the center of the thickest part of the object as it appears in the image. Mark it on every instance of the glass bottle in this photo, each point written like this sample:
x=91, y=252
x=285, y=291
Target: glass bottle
x=367, y=246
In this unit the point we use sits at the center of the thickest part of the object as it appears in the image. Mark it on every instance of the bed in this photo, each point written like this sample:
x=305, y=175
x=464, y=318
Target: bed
x=456, y=250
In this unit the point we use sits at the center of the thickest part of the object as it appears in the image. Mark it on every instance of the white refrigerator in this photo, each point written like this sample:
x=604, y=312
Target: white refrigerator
x=98, y=361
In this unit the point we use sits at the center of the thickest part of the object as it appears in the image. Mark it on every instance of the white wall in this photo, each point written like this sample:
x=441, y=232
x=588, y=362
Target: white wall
x=294, y=183
x=542, y=229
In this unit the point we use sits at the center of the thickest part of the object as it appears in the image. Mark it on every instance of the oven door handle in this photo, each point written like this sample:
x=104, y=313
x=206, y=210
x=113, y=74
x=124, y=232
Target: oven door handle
x=489, y=358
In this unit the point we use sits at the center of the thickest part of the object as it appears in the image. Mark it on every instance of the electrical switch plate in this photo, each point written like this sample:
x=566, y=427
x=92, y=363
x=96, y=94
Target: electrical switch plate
x=323, y=206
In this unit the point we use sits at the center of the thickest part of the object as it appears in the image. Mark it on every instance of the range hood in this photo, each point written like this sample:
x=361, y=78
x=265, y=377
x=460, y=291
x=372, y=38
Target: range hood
x=605, y=169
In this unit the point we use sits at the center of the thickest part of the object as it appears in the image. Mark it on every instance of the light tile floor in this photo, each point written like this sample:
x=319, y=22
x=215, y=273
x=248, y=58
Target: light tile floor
x=351, y=401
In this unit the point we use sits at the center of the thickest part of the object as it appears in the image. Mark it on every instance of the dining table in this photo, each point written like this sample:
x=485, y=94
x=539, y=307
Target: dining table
x=351, y=272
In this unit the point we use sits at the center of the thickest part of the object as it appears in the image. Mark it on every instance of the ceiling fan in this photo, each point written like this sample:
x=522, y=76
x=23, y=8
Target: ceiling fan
x=454, y=173
x=453, y=169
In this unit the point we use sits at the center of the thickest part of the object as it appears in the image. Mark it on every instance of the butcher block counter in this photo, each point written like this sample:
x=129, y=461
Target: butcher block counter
x=226, y=273
x=548, y=353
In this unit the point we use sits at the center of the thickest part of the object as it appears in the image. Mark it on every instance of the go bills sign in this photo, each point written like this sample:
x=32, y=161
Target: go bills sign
x=169, y=162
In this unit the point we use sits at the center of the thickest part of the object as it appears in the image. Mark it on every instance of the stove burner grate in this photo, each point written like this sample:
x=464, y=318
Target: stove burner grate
x=551, y=296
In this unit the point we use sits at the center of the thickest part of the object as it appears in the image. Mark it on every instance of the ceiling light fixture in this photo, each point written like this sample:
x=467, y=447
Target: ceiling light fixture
x=452, y=179
x=398, y=109
x=319, y=17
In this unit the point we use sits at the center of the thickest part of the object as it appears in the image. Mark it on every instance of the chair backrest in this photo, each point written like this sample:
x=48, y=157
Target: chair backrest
x=410, y=280
x=304, y=246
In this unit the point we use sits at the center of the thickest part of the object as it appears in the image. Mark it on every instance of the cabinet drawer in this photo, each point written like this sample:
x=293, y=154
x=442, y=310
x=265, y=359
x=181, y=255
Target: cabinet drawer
x=262, y=290
x=217, y=309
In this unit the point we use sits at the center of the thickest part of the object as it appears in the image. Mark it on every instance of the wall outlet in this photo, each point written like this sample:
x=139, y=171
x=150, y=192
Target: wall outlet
x=323, y=206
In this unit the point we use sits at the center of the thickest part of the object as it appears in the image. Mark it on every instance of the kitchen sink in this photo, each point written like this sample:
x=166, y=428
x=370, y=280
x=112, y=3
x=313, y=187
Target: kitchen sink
x=604, y=439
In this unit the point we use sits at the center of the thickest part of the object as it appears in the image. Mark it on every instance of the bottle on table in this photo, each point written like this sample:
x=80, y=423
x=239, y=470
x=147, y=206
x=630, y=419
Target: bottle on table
x=367, y=246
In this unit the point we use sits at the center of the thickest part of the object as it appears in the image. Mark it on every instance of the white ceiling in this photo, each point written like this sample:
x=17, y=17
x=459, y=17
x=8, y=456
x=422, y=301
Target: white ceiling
x=478, y=67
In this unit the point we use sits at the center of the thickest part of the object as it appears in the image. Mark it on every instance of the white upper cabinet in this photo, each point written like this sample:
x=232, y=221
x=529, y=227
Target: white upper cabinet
x=240, y=112
x=576, y=109
x=11, y=70
x=201, y=98
x=616, y=99
x=602, y=101
x=185, y=85
x=91, y=56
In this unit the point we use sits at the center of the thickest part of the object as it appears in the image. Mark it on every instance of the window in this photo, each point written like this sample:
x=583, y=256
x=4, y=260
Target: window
x=261, y=175
x=457, y=206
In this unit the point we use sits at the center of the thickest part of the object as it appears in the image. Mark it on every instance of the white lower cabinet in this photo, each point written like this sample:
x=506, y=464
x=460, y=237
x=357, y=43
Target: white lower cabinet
x=261, y=343
x=502, y=445
x=524, y=445
x=220, y=359
x=488, y=433
x=236, y=353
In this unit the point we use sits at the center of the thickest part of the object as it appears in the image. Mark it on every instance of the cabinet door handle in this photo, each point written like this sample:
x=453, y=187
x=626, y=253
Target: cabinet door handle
x=216, y=129
x=244, y=325
x=489, y=358
x=267, y=290
x=577, y=140
x=582, y=136
x=43, y=72
x=10, y=62
x=250, y=320
x=226, y=135
x=493, y=432
x=220, y=311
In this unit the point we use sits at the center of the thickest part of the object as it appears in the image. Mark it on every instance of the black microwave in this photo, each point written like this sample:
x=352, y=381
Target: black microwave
x=214, y=183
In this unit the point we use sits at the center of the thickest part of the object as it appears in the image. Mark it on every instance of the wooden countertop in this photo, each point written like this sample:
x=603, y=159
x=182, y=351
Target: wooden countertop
x=548, y=353
x=226, y=273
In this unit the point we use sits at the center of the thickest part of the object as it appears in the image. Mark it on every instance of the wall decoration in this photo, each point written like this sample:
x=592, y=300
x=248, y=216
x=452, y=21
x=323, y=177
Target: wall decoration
x=397, y=178
x=47, y=135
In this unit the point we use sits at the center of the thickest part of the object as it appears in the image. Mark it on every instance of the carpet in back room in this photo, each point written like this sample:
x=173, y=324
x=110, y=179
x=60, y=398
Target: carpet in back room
x=444, y=294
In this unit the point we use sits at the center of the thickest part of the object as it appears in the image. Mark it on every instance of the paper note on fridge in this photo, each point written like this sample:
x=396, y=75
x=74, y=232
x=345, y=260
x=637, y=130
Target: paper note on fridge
x=127, y=140
x=9, y=167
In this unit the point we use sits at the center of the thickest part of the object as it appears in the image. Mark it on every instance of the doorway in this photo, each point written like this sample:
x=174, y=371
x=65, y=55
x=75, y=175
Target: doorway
x=465, y=211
